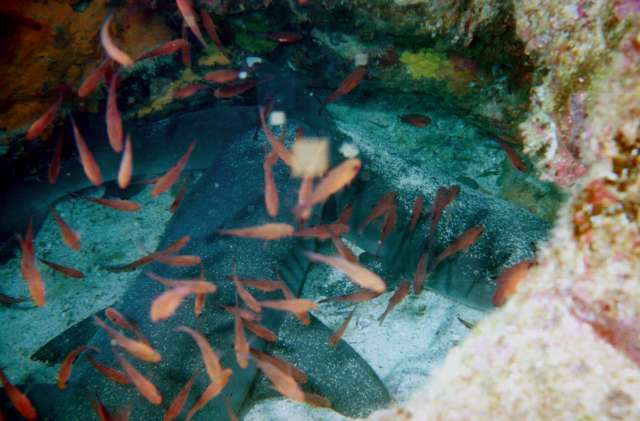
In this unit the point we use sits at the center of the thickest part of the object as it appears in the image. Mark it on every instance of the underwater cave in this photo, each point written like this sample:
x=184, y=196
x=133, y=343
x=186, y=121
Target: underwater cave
x=316, y=201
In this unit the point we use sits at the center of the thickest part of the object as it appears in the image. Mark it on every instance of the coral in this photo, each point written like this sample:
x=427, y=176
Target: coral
x=433, y=65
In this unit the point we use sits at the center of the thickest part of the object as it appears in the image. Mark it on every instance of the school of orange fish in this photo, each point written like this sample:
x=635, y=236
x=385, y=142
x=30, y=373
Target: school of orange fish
x=313, y=191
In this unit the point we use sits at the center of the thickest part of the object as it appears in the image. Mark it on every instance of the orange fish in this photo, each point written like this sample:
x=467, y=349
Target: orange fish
x=54, y=167
x=117, y=204
x=178, y=260
x=210, y=28
x=241, y=345
x=268, y=231
x=126, y=165
x=421, y=273
x=361, y=295
x=271, y=199
x=317, y=400
x=416, y=120
x=416, y=213
x=306, y=188
x=513, y=156
x=198, y=306
x=209, y=357
x=261, y=331
x=119, y=319
x=109, y=372
x=65, y=369
x=180, y=196
x=381, y=208
x=397, y=297
x=65, y=270
x=335, y=338
x=93, y=80
x=189, y=90
x=165, y=49
x=165, y=182
x=358, y=274
x=466, y=240
x=144, y=385
x=293, y=305
x=166, y=304
x=70, y=237
x=39, y=126
x=222, y=75
x=246, y=296
x=113, y=117
x=7, y=300
x=276, y=143
x=112, y=50
x=231, y=90
x=29, y=269
x=89, y=164
x=345, y=215
x=232, y=415
x=186, y=51
x=243, y=312
x=343, y=249
x=303, y=316
x=210, y=392
x=173, y=248
x=331, y=183
x=347, y=85
x=19, y=400
x=138, y=349
x=196, y=285
x=323, y=232
x=266, y=285
x=101, y=410
x=282, y=382
x=389, y=224
x=298, y=375
x=509, y=280
x=189, y=16
x=181, y=398
x=444, y=196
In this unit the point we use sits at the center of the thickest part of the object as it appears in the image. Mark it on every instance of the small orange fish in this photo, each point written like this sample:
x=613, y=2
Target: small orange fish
x=303, y=316
x=466, y=240
x=181, y=398
x=246, y=296
x=109, y=372
x=298, y=375
x=209, y=357
x=138, y=349
x=306, y=188
x=358, y=274
x=276, y=143
x=126, y=165
x=210, y=392
x=180, y=196
x=513, y=156
x=335, y=338
x=444, y=196
x=509, y=280
x=282, y=37
x=144, y=385
x=232, y=415
x=261, y=331
x=347, y=85
x=178, y=260
x=166, y=304
x=268, y=231
x=67, y=365
x=323, y=232
x=92, y=81
x=112, y=50
x=271, y=199
x=39, y=126
x=266, y=285
x=382, y=207
x=8, y=300
x=119, y=319
x=344, y=251
x=173, y=248
x=421, y=273
x=416, y=213
x=101, y=410
x=243, y=312
x=54, y=167
x=210, y=28
x=389, y=224
x=222, y=75
x=397, y=297
x=293, y=305
x=186, y=51
x=282, y=382
x=165, y=49
x=345, y=215
x=70, y=237
x=19, y=400
x=241, y=345
x=117, y=204
x=165, y=182
x=231, y=90
x=196, y=285
x=198, y=306
x=89, y=164
x=189, y=16
x=416, y=120
x=30, y=272
x=317, y=400
x=335, y=181
x=113, y=117
x=65, y=270
x=361, y=295
x=189, y=90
